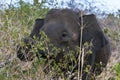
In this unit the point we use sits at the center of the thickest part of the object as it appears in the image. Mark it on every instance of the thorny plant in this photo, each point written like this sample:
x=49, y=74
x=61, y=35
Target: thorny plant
x=14, y=24
x=57, y=62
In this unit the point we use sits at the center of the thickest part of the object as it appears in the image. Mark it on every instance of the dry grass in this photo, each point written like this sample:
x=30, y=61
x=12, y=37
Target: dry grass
x=15, y=24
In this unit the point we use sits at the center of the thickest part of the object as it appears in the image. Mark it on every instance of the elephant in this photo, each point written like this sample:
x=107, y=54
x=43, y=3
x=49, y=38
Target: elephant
x=67, y=28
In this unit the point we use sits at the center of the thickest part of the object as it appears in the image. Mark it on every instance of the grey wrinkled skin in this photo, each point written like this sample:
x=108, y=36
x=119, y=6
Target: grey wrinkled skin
x=63, y=28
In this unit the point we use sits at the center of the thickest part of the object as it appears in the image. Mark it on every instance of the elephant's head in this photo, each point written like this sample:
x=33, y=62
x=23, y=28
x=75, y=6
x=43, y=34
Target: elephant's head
x=62, y=27
x=65, y=28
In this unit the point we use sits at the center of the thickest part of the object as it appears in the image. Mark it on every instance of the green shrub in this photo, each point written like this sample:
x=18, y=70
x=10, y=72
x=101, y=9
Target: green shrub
x=117, y=69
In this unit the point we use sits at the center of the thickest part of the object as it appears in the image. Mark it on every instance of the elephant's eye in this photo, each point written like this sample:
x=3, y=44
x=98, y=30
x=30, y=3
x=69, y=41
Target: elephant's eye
x=64, y=34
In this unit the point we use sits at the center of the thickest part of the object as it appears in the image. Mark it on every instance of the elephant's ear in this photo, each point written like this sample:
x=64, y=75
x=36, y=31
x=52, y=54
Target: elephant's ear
x=93, y=29
x=37, y=26
x=90, y=21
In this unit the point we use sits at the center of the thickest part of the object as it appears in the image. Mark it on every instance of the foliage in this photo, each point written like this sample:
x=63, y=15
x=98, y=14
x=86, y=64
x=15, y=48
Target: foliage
x=16, y=22
x=117, y=69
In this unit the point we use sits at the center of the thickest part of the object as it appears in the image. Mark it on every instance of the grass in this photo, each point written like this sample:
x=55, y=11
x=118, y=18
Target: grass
x=117, y=69
x=17, y=22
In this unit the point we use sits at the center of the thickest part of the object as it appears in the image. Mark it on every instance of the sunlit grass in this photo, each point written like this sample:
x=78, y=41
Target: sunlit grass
x=16, y=23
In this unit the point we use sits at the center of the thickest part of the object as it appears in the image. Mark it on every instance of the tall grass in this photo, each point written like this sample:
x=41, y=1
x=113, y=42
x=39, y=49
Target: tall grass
x=16, y=23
